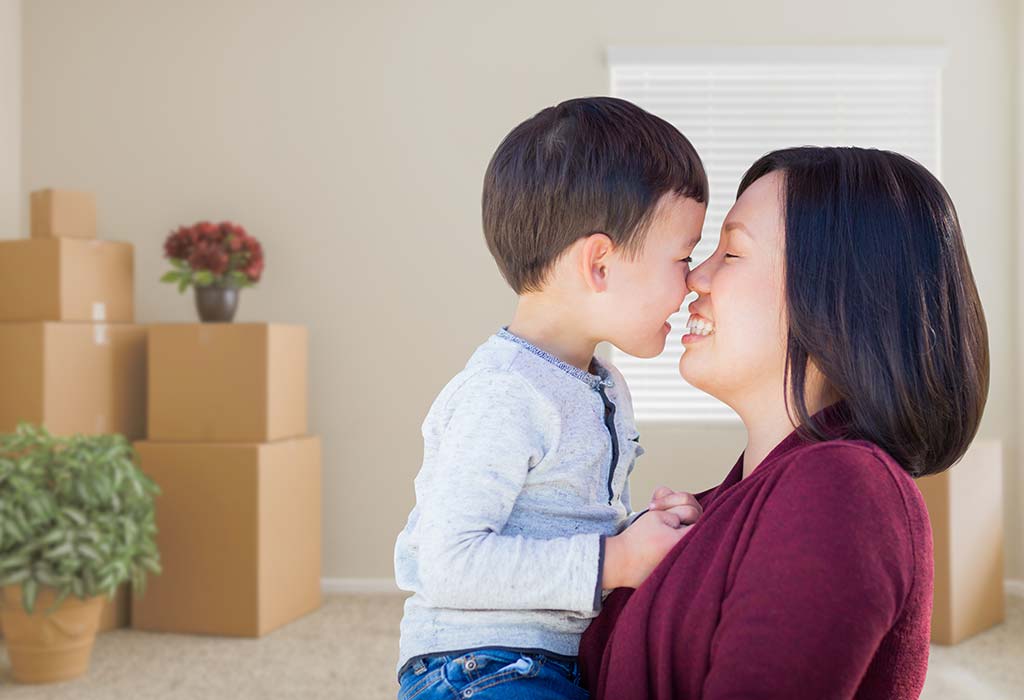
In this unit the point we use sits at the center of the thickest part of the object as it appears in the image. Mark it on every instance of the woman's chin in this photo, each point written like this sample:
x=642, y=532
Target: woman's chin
x=689, y=370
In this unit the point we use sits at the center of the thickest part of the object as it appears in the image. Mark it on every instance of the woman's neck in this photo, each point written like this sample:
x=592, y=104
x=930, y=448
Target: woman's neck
x=769, y=424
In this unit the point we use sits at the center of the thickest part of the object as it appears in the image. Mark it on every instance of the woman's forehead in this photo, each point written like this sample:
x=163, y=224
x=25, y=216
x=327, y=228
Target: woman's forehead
x=758, y=211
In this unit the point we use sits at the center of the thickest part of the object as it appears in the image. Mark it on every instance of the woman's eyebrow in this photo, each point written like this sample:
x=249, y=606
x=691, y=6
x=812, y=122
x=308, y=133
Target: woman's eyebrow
x=738, y=227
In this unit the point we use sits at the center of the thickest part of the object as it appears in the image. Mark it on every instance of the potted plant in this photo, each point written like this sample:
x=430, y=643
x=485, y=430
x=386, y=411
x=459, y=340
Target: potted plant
x=216, y=259
x=76, y=520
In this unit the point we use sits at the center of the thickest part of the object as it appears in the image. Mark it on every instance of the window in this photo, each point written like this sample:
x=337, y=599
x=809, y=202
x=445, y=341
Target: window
x=737, y=104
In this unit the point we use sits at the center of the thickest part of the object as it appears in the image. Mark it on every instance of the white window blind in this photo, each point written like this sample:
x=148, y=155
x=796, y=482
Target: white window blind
x=735, y=105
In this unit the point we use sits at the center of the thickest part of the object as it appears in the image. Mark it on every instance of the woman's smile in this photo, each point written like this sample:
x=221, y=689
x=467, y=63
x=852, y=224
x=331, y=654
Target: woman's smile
x=698, y=328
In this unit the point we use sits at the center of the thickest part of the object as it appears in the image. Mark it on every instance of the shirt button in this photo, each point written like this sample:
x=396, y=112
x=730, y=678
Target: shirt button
x=471, y=665
x=467, y=693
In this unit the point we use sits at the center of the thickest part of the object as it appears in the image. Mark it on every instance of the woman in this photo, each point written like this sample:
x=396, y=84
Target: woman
x=841, y=301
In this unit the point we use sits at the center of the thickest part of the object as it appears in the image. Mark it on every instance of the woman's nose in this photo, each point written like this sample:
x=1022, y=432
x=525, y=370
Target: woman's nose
x=699, y=279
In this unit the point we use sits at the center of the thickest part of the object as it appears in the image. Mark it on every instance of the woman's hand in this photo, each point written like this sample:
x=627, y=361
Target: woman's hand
x=681, y=503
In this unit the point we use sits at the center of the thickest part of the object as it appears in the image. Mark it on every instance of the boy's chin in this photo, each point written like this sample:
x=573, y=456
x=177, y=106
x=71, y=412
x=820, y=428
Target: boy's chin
x=646, y=350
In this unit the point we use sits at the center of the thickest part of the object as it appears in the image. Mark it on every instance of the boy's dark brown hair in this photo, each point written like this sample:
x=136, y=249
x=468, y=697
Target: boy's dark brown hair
x=589, y=165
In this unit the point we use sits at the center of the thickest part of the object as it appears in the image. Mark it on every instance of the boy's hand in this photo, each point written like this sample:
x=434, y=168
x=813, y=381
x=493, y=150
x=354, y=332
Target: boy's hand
x=683, y=504
x=632, y=555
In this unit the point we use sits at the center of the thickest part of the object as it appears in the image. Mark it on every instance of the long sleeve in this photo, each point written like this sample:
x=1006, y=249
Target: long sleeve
x=485, y=452
x=824, y=574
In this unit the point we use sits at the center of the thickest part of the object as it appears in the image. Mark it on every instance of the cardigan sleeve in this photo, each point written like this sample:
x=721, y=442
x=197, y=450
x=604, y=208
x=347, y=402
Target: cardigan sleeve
x=820, y=581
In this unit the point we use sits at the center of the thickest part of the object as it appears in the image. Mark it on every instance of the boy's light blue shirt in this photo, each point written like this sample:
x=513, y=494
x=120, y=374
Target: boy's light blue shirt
x=515, y=496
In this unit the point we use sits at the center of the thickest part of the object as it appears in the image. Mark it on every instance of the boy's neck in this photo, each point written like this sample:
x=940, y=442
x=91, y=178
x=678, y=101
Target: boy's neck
x=552, y=328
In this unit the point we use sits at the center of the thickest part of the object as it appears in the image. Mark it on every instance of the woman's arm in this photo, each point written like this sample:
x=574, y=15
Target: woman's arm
x=821, y=581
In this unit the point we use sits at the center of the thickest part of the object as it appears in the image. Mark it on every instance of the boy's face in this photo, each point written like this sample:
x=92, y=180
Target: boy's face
x=645, y=290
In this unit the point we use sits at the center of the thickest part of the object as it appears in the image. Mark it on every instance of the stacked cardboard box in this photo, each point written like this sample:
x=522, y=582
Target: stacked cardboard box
x=71, y=357
x=239, y=513
x=965, y=505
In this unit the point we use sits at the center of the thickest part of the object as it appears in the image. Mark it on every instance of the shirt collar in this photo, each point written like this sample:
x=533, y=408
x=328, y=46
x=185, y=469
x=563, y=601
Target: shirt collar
x=601, y=376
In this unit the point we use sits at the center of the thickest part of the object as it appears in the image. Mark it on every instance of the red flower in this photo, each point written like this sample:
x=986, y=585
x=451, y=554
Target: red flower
x=179, y=243
x=209, y=232
x=254, y=270
x=220, y=248
x=208, y=257
x=253, y=247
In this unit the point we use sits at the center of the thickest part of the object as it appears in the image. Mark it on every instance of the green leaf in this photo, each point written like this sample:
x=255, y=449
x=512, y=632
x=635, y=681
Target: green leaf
x=62, y=595
x=203, y=278
x=60, y=551
x=172, y=276
x=183, y=284
x=15, y=577
x=29, y=591
x=74, y=514
x=14, y=561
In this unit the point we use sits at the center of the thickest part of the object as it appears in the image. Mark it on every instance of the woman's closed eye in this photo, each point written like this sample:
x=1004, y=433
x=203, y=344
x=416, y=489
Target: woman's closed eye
x=688, y=260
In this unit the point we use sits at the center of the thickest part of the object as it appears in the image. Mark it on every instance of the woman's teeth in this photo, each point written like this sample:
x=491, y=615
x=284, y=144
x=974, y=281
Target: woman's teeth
x=700, y=327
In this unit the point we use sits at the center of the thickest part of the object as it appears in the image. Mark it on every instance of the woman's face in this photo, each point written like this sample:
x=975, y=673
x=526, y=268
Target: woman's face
x=742, y=299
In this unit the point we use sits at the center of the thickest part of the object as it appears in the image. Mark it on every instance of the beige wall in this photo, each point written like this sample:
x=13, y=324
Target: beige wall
x=352, y=137
x=10, y=117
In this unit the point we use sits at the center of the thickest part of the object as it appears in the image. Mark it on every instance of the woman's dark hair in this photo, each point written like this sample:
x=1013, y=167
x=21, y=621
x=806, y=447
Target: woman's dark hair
x=592, y=164
x=882, y=300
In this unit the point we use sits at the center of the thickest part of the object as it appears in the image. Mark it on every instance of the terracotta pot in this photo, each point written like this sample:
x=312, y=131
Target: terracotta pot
x=216, y=304
x=49, y=648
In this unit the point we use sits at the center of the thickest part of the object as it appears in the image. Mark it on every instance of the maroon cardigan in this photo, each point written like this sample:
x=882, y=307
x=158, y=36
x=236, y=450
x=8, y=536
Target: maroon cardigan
x=811, y=578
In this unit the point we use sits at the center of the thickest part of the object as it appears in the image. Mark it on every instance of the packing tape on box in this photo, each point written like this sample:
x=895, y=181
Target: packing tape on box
x=99, y=311
x=99, y=334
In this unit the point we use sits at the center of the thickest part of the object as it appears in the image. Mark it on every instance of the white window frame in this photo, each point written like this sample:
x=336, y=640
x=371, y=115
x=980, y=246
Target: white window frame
x=839, y=77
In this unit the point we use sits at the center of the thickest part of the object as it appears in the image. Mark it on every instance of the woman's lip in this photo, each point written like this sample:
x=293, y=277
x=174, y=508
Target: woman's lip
x=690, y=338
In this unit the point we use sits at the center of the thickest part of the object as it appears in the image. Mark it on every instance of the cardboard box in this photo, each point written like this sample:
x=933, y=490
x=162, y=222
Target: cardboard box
x=965, y=504
x=63, y=213
x=227, y=382
x=66, y=279
x=238, y=535
x=74, y=377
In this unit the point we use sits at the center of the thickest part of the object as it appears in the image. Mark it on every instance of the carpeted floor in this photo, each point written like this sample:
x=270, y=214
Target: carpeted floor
x=347, y=650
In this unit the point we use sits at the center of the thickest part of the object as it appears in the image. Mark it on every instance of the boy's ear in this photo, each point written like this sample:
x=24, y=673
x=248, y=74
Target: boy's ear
x=595, y=258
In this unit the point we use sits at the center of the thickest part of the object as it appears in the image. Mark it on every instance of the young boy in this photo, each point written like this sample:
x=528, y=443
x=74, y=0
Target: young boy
x=591, y=209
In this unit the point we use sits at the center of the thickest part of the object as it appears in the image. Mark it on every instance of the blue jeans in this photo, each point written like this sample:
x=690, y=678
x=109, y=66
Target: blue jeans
x=490, y=674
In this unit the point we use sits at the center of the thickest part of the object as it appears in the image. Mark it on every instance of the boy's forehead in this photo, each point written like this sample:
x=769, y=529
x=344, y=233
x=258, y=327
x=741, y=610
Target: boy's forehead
x=680, y=219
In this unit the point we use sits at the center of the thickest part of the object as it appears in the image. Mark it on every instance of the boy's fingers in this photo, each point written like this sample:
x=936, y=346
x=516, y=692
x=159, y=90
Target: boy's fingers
x=660, y=492
x=669, y=518
x=675, y=499
x=688, y=514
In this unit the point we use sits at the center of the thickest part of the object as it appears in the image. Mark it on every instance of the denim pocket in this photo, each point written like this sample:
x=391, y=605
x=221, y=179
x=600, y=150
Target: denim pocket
x=477, y=671
x=424, y=684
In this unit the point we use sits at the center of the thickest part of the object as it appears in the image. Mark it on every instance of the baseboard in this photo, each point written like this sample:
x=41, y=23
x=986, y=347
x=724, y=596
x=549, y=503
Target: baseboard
x=1014, y=587
x=359, y=585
